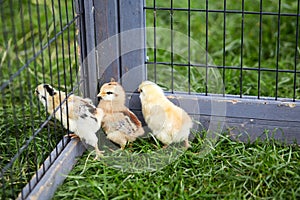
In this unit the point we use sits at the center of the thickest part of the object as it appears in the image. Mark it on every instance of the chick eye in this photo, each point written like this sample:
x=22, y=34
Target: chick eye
x=141, y=90
x=109, y=93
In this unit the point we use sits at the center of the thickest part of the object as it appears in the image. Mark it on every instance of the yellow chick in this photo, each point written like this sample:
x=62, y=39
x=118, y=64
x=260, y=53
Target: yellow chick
x=76, y=113
x=119, y=123
x=168, y=122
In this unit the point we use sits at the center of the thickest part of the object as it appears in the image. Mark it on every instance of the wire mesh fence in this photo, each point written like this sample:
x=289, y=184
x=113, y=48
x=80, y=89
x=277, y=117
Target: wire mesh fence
x=246, y=50
x=244, y=53
x=38, y=44
x=253, y=44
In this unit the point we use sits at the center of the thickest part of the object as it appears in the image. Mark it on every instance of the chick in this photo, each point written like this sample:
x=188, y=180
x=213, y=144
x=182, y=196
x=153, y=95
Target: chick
x=119, y=123
x=77, y=114
x=168, y=122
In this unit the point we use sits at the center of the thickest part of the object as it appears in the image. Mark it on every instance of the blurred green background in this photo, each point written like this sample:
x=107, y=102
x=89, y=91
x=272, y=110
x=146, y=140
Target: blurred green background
x=27, y=27
x=227, y=51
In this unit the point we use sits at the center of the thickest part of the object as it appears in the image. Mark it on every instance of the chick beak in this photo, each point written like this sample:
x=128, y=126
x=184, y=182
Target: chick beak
x=36, y=93
x=99, y=95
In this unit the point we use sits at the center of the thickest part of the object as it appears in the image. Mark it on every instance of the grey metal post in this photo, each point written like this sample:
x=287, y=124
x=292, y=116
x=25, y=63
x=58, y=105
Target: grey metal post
x=120, y=40
x=88, y=57
x=119, y=46
x=132, y=38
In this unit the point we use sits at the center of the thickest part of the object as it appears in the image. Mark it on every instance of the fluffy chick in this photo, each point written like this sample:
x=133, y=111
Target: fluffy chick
x=119, y=123
x=76, y=113
x=168, y=122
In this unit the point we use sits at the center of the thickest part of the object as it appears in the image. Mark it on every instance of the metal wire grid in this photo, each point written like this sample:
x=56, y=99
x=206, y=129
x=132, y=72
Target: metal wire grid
x=44, y=50
x=37, y=45
x=158, y=11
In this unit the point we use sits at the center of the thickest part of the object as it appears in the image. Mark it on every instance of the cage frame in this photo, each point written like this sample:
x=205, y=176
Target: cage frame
x=246, y=118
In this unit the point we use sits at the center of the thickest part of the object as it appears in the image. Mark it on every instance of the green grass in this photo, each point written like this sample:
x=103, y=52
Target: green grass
x=232, y=45
x=20, y=112
x=231, y=170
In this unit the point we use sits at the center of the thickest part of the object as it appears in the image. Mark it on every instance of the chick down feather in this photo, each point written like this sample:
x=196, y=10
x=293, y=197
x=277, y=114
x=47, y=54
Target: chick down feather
x=119, y=123
x=77, y=114
x=168, y=122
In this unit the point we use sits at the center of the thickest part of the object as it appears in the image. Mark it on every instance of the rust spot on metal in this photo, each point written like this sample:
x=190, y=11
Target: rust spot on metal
x=234, y=101
x=287, y=104
x=175, y=97
x=171, y=97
